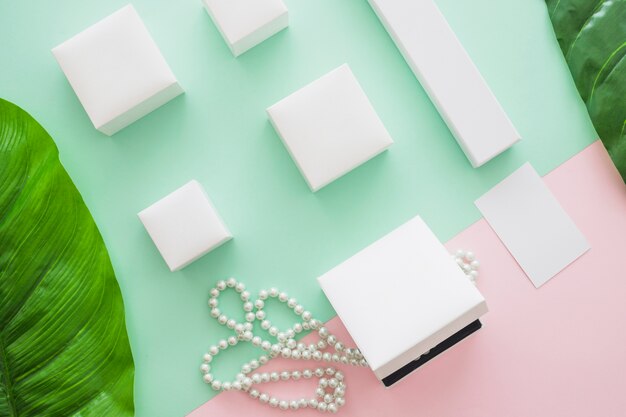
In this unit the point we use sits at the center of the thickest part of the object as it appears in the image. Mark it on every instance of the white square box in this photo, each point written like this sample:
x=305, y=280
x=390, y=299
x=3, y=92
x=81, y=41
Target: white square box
x=246, y=23
x=329, y=127
x=447, y=73
x=403, y=299
x=117, y=71
x=184, y=225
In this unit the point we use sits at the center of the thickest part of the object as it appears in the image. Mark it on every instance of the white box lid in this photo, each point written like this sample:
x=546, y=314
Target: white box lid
x=401, y=296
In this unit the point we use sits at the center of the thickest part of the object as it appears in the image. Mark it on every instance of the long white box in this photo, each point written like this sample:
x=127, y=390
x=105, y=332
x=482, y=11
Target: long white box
x=403, y=299
x=447, y=73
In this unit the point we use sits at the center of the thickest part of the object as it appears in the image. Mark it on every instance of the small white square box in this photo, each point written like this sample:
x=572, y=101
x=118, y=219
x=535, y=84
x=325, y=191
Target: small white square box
x=117, y=71
x=404, y=300
x=246, y=23
x=329, y=127
x=184, y=225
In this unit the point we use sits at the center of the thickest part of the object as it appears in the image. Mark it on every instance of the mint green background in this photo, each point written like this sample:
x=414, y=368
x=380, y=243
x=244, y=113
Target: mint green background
x=218, y=133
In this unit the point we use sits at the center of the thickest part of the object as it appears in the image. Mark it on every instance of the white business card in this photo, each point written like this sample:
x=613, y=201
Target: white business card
x=533, y=226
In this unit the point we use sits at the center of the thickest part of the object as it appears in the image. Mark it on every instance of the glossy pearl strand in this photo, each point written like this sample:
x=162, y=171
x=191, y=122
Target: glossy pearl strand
x=468, y=263
x=331, y=389
x=331, y=386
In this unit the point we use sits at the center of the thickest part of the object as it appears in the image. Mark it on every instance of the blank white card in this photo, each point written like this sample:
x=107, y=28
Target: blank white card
x=533, y=226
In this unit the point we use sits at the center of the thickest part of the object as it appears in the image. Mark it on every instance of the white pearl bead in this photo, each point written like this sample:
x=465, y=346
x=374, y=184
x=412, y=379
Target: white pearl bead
x=292, y=302
x=332, y=408
x=296, y=375
x=283, y=297
x=273, y=331
x=215, y=312
x=317, y=356
x=256, y=378
x=322, y=406
x=297, y=328
x=265, y=324
x=469, y=256
x=273, y=292
x=319, y=372
x=313, y=403
x=323, y=382
x=216, y=385
x=231, y=282
x=240, y=287
x=207, y=357
x=250, y=317
x=328, y=398
x=285, y=353
x=340, y=401
x=263, y=359
x=204, y=368
x=259, y=304
x=222, y=344
x=306, y=316
x=226, y=386
x=264, y=398
x=232, y=341
x=263, y=294
x=208, y=378
x=319, y=392
x=475, y=264
x=274, y=376
x=254, y=364
x=245, y=296
x=294, y=404
x=254, y=393
x=284, y=375
x=306, y=374
x=296, y=354
x=214, y=350
x=306, y=355
x=331, y=340
x=221, y=285
x=214, y=292
x=303, y=403
x=283, y=405
x=273, y=402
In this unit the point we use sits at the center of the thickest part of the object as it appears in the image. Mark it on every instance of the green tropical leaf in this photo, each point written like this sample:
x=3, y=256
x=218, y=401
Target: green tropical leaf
x=592, y=36
x=64, y=350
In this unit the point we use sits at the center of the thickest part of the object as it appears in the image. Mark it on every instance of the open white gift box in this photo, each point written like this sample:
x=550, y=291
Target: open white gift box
x=404, y=300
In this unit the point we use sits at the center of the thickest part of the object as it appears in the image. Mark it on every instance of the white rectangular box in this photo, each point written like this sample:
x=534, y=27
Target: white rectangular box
x=184, y=225
x=533, y=226
x=401, y=297
x=246, y=23
x=329, y=127
x=117, y=71
x=447, y=73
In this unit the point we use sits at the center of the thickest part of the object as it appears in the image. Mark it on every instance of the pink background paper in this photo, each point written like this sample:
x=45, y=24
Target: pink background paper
x=555, y=351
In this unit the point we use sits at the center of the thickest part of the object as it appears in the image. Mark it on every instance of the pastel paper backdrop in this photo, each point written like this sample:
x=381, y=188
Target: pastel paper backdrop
x=218, y=133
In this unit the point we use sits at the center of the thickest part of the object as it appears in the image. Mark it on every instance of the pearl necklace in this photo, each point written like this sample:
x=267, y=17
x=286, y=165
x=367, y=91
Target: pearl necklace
x=331, y=388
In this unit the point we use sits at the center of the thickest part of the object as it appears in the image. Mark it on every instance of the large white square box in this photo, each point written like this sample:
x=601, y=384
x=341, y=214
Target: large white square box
x=117, y=71
x=329, y=127
x=404, y=300
x=246, y=23
x=184, y=225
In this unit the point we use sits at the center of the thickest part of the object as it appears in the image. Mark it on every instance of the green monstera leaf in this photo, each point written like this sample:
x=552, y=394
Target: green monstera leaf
x=64, y=350
x=592, y=36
